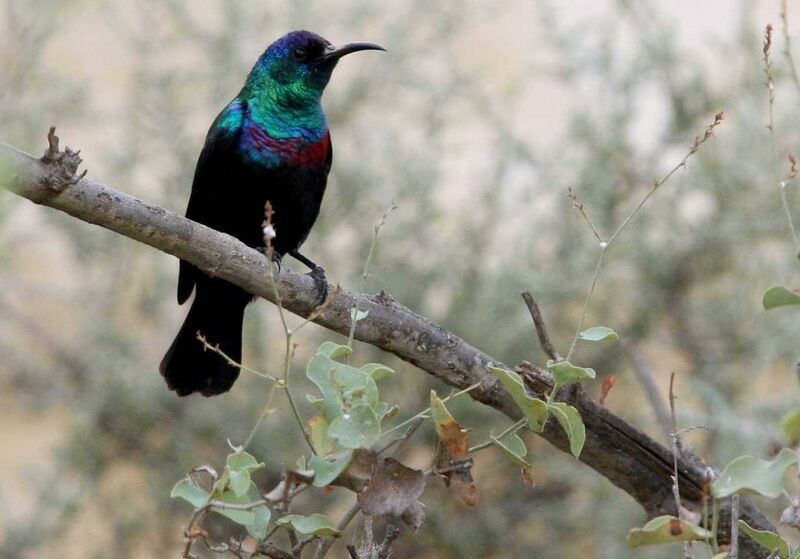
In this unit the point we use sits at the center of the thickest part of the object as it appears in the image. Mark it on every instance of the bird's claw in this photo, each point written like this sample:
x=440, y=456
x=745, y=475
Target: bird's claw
x=320, y=282
x=276, y=258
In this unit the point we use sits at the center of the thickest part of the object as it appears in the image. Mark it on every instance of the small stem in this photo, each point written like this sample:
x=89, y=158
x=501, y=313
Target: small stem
x=788, y=40
x=428, y=409
x=715, y=524
x=326, y=543
x=541, y=328
x=237, y=506
x=734, y=552
x=587, y=301
x=512, y=429
x=365, y=274
x=287, y=358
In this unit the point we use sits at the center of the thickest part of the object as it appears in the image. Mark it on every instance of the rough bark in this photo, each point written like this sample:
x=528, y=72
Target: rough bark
x=619, y=451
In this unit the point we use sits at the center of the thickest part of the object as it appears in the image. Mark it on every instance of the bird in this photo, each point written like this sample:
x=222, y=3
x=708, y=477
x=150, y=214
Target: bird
x=271, y=143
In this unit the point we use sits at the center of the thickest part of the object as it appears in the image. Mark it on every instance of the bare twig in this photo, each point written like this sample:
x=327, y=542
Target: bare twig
x=541, y=328
x=788, y=41
x=766, y=48
x=708, y=133
x=357, y=307
x=326, y=543
x=676, y=445
x=641, y=369
x=734, y=552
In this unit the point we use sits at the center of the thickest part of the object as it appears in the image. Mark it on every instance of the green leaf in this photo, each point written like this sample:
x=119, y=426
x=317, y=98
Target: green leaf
x=239, y=482
x=322, y=442
x=357, y=316
x=439, y=413
x=340, y=383
x=313, y=525
x=565, y=372
x=790, y=425
x=243, y=517
x=747, y=473
x=770, y=541
x=513, y=447
x=377, y=371
x=355, y=384
x=535, y=410
x=598, y=334
x=571, y=422
x=317, y=403
x=188, y=490
x=242, y=460
x=318, y=371
x=328, y=469
x=258, y=529
x=779, y=296
x=665, y=529
x=332, y=350
x=358, y=427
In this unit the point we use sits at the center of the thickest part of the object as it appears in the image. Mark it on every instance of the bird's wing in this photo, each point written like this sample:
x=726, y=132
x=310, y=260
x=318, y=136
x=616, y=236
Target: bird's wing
x=216, y=168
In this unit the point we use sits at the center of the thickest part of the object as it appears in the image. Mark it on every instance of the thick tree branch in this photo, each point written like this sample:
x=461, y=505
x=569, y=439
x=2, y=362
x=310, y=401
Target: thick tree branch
x=614, y=448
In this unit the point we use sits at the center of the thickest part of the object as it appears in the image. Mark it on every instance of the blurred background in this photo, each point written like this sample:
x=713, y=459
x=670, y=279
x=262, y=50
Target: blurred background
x=476, y=122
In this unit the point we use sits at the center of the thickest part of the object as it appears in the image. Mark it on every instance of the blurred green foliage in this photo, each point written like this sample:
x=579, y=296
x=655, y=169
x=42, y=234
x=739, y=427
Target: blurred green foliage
x=439, y=126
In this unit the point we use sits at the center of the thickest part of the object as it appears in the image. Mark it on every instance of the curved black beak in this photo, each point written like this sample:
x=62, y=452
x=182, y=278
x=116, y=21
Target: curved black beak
x=335, y=53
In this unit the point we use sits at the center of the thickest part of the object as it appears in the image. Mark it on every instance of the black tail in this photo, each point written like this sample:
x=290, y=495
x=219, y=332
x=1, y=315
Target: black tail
x=217, y=313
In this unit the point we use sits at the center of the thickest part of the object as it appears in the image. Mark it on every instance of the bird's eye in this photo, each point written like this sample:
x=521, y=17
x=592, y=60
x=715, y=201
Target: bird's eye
x=299, y=53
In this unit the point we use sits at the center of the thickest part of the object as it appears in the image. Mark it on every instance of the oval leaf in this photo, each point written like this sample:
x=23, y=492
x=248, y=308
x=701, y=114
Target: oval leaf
x=327, y=470
x=779, y=296
x=315, y=524
x=188, y=490
x=243, y=517
x=565, y=372
x=513, y=447
x=770, y=541
x=332, y=350
x=377, y=371
x=571, y=422
x=598, y=334
x=535, y=410
x=242, y=460
x=357, y=427
x=258, y=529
x=665, y=529
x=747, y=473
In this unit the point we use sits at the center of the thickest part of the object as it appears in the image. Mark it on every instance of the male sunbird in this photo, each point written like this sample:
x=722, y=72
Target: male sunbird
x=269, y=144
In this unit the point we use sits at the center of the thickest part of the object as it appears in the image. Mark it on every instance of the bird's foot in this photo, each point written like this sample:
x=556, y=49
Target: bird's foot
x=320, y=282
x=276, y=257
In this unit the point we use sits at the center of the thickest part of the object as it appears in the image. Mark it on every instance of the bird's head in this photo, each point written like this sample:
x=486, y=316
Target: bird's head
x=295, y=69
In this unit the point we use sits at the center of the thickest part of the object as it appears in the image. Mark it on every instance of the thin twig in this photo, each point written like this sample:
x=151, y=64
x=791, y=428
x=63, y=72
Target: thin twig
x=734, y=552
x=326, y=543
x=578, y=205
x=402, y=438
x=708, y=133
x=541, y=328
x=216, y=349
x=641, y=369
x=788, y=41
x=424, y=413
x=289, y=348
x=512, y=429
x=687, y=546
x=354, y=318
x=588, y=300
x=770, y=85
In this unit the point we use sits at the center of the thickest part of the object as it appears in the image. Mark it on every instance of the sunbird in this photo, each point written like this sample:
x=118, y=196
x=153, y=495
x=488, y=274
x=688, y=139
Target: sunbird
x=271, y=143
